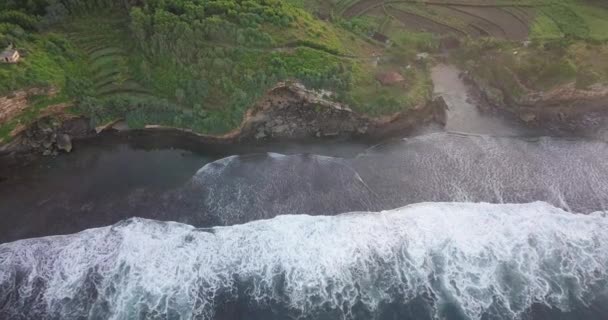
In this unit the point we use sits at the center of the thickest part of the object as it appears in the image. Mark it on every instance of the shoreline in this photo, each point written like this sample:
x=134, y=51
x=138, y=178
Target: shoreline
x=290, y=113
x=287, y=113
x=563, y=110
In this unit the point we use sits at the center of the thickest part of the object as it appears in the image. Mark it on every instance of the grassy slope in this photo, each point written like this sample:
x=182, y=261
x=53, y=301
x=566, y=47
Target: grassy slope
x=367, y=95
x=571, y=18
x=569, y=44
x=82, y=56
x=100, y=61
x=105, y=42
x=47, y=60
x=309, y=46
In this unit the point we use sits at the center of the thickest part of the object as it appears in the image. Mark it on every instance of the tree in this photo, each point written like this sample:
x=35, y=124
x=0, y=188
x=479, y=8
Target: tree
x=55, y=12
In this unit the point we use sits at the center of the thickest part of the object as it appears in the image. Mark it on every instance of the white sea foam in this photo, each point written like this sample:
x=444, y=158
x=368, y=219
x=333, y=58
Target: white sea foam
x=473, y=255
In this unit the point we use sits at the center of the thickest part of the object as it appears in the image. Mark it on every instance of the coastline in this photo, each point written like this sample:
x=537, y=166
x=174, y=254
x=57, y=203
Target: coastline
x=562, y=110
x=287, y=113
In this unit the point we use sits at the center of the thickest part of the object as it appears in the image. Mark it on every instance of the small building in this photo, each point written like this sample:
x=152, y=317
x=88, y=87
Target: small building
x=10, y=56
x=381, y=38
x=390, y=78
x=422, y=56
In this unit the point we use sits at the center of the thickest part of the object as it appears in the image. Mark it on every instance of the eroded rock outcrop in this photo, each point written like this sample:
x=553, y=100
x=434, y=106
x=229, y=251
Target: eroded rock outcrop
x=48, y=135
x=565, y=107
x=51, y=133
x=291, y=111
x=288, y=111
x=17, y=101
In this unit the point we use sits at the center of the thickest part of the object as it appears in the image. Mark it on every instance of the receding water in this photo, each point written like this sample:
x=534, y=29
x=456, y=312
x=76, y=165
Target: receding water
x=103, y=185
x=111, y=179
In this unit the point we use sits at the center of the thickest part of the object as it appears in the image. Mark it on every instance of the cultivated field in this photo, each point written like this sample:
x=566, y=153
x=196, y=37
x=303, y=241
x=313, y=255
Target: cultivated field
x=510, y=20
x=105, y=44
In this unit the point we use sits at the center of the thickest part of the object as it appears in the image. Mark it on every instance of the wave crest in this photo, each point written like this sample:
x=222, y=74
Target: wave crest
x=476, y=258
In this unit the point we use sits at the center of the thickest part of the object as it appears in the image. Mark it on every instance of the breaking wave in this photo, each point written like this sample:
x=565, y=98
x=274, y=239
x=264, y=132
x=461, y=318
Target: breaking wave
x=451, y=260
x=440, y=167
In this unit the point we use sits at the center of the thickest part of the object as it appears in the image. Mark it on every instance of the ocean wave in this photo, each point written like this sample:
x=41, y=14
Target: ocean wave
x=472, y=259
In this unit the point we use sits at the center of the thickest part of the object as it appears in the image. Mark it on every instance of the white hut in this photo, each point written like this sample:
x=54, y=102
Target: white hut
x=10, y=55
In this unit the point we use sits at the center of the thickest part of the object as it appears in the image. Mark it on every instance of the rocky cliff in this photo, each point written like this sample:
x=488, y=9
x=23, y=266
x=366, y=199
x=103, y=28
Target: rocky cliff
x=17, y=101
x=564, y=107
x=289, y=111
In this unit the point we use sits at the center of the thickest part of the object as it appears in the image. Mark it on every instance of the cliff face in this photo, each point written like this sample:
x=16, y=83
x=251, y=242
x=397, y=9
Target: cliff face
x=14, y=103
x=292, y=111
x=564, y=107
x=567, y=96
x=48, y=135
x=289, y=111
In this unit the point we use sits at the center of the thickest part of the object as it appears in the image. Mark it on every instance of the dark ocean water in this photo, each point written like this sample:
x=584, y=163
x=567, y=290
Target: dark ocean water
x=106, y=183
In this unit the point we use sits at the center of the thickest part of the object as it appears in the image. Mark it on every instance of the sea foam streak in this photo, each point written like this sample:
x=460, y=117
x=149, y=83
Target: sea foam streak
x=239, y=189
x=478, y=257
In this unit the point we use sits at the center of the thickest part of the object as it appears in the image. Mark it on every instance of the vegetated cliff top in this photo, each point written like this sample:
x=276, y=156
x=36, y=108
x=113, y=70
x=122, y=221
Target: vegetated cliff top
x=202, y=64
x=196, y=64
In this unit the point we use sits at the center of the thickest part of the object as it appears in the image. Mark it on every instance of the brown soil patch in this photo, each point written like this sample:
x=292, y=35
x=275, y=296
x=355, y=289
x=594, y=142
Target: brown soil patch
x=502, y=22
x=14, y=103
x=361, y=7
x=473, y=18
x=419, y=23
x=476, y=26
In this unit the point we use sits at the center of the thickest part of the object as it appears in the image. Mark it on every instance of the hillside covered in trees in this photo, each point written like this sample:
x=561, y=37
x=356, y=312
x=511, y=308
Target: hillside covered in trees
x=188, y=63
x=201, y=64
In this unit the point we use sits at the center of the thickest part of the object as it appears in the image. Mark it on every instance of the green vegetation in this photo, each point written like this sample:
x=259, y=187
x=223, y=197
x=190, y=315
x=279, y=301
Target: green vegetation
x=36, y=105
x=545, y=28
x=568, y=44
x=48, y=57
x=200, y=64
x=573, y=19
x=542, y=65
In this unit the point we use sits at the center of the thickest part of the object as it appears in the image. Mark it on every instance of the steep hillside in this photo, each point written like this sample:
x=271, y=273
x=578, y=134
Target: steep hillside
x=199, y=65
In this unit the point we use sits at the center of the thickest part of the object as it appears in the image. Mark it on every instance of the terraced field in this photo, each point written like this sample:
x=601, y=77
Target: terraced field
x=108, y=52
x=512, y=20
x=358, y=8
x=499, y=22
x=420, y=22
